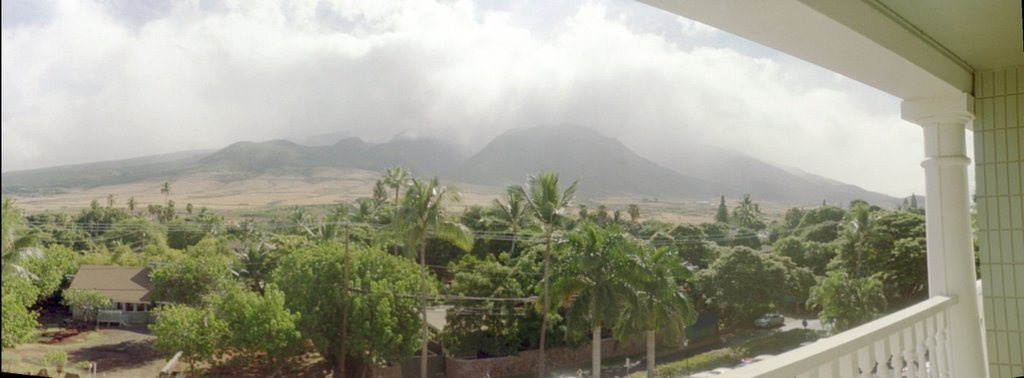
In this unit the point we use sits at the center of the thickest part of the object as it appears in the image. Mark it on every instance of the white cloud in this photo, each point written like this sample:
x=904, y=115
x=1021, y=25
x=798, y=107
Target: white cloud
x=85, y=86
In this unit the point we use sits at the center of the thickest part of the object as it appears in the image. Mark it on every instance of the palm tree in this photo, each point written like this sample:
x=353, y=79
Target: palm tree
x=256, y=261
x=422, y=214
x=380, y=193
x=548, y=205
x=748, y=214
x=131, y=206
x=18, y=244
x=165, y=189
x=634, y=213
x=396, y=178
x=657, y=301
x=511, y=214
x=858, y=221
x=591, y=281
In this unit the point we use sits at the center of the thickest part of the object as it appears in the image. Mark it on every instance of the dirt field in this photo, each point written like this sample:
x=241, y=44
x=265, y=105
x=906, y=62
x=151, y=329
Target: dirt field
x=267, y=193
x=117, y=352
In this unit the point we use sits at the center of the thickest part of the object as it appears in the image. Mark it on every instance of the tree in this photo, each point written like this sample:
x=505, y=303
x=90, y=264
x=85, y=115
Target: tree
x=396, y=178
x=548, y=205
x=602, y=214
x=51, y=268
x=722, y=216
x=88, y=302
x=743, y=284
x=692, y=245
x=131, y=205
x=380, y=193
x=196, y=332
x=188, y=280
x=634, y=213
x=748, y=215
x=19, y=323
x=657, y=300
x=182, y=234
x=592, y=278
x=512, y=214
x=492, y=328
x=890, y=244
x=258, y=324
x=847, y=301
x=383, y=310
x=421, y=215
x=19, y=243
x=809, y=254
x=255, y=263
x=165, y=189
x=913, y=201
x=137, y=233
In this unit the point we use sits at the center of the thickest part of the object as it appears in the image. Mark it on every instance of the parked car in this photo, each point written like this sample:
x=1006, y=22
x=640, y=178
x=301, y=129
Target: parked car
x=770, y=321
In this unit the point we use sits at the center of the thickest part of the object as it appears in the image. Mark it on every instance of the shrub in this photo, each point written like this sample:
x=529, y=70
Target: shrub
x=704, y=361
x=56, y=358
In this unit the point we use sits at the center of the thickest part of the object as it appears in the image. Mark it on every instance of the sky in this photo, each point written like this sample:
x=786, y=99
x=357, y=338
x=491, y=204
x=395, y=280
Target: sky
x=100, y=80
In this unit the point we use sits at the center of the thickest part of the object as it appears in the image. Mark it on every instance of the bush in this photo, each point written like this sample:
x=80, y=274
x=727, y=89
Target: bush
x=705, y=361
x=56, y=358
x=19, y=323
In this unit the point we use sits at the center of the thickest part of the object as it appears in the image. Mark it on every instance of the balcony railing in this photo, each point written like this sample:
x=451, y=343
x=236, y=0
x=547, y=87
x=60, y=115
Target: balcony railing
x=909, y=343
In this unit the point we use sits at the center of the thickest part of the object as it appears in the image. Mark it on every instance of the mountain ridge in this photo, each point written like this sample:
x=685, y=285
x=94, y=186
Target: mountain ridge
x=604, y=165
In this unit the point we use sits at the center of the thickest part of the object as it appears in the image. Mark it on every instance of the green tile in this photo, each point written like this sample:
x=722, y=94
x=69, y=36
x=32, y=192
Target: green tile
x=986, y=84
x=1011, y=111
x=1011, y=81
x=1010, y=285
x=999, y=83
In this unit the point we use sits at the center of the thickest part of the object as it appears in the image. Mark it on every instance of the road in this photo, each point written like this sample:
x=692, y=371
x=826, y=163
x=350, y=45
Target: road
x=796, y=323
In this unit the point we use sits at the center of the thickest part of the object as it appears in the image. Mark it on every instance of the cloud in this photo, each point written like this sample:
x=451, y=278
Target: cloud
x=99, y=81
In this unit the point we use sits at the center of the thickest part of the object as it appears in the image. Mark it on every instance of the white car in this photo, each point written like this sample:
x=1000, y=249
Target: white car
x=770, y=321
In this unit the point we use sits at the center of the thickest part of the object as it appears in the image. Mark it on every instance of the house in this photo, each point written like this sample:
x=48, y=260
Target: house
x=127, y=287
x=958, y=67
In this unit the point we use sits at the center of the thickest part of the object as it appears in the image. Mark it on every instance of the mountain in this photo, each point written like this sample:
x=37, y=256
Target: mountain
x=604, y=166
x=101, y=173
x=244, y=159
x=742, y=174
x=421, y=156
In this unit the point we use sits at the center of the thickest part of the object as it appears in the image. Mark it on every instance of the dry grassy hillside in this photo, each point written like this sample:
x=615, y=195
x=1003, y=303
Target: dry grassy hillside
x=326, y=187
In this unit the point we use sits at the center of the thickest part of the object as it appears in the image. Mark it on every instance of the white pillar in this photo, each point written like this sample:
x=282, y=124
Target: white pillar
x=948, y=224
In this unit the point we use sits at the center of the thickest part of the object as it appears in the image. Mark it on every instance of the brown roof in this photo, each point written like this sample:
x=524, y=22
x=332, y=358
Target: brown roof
x=121, y=284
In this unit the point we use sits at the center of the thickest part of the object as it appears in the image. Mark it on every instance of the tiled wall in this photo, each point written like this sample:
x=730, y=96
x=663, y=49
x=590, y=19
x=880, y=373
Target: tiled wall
x=999, y=171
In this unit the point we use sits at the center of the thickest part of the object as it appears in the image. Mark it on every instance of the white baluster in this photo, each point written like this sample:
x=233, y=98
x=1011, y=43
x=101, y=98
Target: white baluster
x=919, y=349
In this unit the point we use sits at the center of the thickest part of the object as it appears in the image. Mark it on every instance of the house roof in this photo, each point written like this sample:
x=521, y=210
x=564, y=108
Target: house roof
x=121, y=284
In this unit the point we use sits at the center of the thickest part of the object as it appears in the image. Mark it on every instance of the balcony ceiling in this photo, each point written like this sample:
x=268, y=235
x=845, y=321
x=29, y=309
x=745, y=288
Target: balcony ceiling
x=984, y=34
x=908, y=48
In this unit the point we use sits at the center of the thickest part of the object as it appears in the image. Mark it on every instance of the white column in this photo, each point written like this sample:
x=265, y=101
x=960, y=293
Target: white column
x=948, y=224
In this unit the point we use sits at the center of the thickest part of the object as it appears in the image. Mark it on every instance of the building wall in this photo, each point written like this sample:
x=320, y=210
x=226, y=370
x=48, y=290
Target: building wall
x=999, y=171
